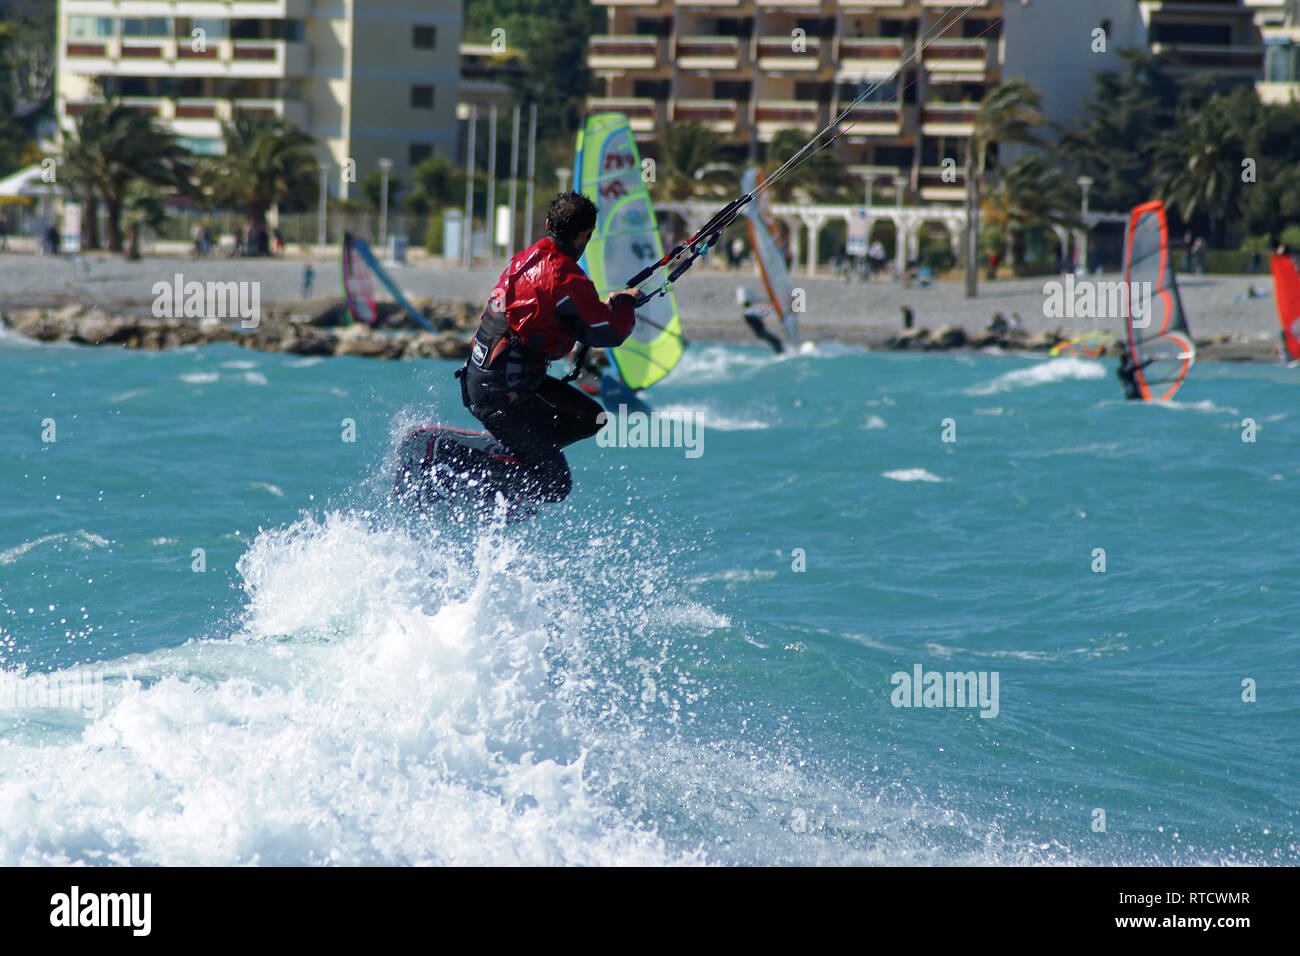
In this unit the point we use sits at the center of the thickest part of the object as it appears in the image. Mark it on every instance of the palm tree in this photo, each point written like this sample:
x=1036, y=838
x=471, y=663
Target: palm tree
x=267, y=163
x=684, y=149
x=1031, y=192
x=113, y=147
x=1009, y=114
x=820, y=175
x=142, y=210
x=1199, y=163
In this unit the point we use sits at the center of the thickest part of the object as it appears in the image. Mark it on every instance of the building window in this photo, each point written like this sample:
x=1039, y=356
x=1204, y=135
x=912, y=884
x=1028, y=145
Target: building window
x=422, y=97
x=90, y=28
x=424, y=38
x=418, y=153
x=146, y=27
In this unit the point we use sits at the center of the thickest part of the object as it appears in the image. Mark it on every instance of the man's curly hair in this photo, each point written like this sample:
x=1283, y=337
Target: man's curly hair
x=570, y=214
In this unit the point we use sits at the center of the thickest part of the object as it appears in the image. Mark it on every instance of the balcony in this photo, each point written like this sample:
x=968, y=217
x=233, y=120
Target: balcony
x=949, y=60
x=935, y=187
x=718, y=115
x=1195, y=57
x=778, y=53
x=860, y=58
x=138, y=56
x=641, y=112
x=623, y=53
x=772, y=116
x=708, y=53
x=949, y=119
x=873, y=119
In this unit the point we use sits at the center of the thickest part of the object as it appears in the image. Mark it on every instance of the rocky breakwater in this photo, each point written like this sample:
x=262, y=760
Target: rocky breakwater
x=284, y=332
x=1221, y=347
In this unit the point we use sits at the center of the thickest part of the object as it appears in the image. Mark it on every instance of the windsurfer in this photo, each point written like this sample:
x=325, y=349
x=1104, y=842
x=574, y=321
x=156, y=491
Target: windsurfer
x=753, y=317
x=1127, y=372
x=543, y=305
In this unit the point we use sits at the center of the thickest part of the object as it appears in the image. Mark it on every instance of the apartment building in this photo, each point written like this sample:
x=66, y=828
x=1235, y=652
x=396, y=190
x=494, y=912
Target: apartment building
x=1279, y=25
x=369, y=79
x=749, y=68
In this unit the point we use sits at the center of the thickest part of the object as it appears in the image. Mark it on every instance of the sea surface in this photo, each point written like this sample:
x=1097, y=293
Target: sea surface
x=221, y=644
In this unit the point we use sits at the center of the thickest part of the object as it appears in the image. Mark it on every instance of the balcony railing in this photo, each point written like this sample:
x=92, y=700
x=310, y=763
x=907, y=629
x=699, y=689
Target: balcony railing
x=787, y=113
x=708, y=53
x=718, y=115
x=641, y=112
x=956, y=56
x=954, y=118
x=623, y=52
x=1211, y=57
x=780, y=53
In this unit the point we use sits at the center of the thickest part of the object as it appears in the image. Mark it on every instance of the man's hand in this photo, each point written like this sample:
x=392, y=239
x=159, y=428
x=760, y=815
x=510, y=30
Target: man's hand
x=633, y=292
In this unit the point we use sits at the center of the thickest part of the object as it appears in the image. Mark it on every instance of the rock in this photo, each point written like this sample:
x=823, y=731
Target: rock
x=910, y=339
x=360, y=341
x=948, y=337
x=68, y=313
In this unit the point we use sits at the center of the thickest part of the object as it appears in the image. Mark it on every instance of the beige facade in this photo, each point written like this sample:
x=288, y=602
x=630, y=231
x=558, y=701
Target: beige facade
x=369, y=79
x=749, y=68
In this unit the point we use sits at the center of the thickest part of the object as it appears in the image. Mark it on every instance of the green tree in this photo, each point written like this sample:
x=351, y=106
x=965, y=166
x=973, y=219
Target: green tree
x=684, y=150
x=1031, y=192
x=143, y=209
x=1198, y=163
x=372, y=188
x=820, y=175
x=113, y=147
x=1127, y=113
x=438, y=183
x=267, y=162
x=1010, y=113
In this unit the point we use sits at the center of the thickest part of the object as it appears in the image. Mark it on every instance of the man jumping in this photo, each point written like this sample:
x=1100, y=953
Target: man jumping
x=542, y=306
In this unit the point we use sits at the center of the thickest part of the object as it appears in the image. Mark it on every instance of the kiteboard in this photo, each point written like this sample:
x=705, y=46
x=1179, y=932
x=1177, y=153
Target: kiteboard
x=461, y=470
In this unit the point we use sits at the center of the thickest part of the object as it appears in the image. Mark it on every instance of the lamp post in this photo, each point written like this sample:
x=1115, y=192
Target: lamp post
x=900, y=253
x=1081, y=245
x=324, y=192
x=385, y=167
x=564, y=173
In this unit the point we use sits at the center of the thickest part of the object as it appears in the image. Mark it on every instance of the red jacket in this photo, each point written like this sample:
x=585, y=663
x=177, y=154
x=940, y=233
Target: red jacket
x=551, y=304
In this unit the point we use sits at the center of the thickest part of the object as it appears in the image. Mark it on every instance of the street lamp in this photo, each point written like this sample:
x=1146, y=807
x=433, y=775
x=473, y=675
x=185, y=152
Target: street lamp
x=564, y=173
x=1081, y=243
x=385, y=167
x=324, y=172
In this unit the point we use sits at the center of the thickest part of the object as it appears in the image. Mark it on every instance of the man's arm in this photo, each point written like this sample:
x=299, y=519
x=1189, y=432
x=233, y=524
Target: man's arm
x=592, y=322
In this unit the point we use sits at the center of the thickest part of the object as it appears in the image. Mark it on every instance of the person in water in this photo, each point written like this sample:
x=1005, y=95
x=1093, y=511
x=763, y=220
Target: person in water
x=753, y=317
x=1127, y=372
x=542, y=306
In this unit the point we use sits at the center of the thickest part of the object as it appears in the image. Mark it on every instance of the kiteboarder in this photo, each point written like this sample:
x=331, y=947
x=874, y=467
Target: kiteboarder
x=1127, y=372
x=754, y=319
x=543, y=305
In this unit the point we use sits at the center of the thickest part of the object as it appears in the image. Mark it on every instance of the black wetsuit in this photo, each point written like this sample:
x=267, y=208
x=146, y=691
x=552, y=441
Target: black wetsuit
x=754, y=319
x=542, y=304
x=1127, y=373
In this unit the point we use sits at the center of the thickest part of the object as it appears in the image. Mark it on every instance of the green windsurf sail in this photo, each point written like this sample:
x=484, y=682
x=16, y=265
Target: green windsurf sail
x=608, y=171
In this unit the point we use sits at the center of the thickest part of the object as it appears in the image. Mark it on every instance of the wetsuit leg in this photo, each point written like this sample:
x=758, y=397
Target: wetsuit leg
x=535, y=429
x=757, y=326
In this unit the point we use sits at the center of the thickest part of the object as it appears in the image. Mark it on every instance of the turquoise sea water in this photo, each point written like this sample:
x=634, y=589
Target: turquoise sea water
x=640, y=674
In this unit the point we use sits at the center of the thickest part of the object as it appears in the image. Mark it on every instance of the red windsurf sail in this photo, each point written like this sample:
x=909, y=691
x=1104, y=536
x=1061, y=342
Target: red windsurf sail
x=1286, y=289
